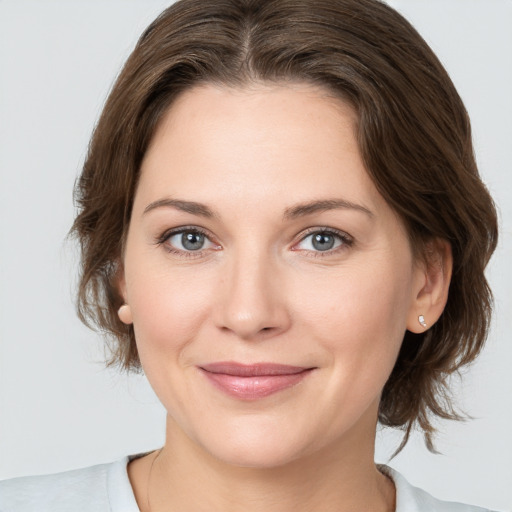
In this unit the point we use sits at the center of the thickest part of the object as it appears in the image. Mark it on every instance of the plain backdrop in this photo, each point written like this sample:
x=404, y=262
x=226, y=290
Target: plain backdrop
x=59, y=407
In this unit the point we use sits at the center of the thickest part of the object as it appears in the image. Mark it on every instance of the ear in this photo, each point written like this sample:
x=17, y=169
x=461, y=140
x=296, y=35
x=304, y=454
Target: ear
x=431, y=286
x=124, y=312
x=120, y=280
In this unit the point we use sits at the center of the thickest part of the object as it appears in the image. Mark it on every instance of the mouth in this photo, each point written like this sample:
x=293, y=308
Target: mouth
x=254, y=381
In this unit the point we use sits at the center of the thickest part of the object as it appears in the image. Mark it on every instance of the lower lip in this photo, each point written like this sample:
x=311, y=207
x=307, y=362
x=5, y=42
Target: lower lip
x=253, y=388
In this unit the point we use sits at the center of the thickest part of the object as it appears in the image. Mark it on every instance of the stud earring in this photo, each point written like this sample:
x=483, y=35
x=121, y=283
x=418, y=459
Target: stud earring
x=125, y=314
x=421, y=320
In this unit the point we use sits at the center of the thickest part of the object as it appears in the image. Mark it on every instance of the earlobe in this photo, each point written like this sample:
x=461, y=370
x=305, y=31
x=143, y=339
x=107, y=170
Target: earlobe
x=125, y=314
x=431, y=292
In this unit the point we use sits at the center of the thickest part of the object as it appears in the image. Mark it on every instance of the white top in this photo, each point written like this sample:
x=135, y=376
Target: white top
x=106, y=488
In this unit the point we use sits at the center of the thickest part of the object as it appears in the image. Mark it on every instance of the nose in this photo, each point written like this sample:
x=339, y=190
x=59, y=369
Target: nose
x=252, y=300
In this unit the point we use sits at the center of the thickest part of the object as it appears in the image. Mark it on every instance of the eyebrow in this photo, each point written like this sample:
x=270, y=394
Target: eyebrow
x=293, y=212
x=185, y=206
x=323, y=205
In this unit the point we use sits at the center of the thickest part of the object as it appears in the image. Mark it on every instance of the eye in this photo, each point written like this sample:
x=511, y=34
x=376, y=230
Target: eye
x=186, y=240
x=323, y=241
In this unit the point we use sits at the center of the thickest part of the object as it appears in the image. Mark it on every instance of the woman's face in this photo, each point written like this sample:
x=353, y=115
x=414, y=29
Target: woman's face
x=257, y=239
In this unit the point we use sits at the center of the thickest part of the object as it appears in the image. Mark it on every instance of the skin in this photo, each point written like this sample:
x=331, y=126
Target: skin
x=260, y=291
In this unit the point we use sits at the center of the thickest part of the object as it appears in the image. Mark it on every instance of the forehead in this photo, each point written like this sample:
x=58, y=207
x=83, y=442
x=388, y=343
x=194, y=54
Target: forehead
x=265, y=141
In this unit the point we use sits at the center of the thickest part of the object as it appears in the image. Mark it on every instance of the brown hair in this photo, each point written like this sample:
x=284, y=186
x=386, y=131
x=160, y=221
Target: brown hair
x=414, y=136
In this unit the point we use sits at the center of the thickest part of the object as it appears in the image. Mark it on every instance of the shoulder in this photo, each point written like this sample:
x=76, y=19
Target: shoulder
x=93, y=488
x=413, y=499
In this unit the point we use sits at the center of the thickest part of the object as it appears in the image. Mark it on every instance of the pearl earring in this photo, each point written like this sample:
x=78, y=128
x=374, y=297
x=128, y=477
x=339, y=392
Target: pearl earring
x=125, y=314
x=421, y=320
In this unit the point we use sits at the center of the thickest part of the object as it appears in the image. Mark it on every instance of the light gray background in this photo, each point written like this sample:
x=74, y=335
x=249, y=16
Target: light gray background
x=59, y=408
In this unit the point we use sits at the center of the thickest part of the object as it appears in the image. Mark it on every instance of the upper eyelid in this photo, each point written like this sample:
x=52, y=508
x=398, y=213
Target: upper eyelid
x=337, y=232
x=182, y=229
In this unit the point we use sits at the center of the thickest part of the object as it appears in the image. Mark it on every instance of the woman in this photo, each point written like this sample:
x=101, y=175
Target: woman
x=282, y=222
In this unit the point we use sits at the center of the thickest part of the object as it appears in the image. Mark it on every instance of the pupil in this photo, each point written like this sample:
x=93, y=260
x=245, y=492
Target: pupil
x=192, y=241
x=323, y=241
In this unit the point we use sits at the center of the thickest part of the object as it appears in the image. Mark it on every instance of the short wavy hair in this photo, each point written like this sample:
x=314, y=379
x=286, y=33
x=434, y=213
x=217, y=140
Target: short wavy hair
x=413, y=133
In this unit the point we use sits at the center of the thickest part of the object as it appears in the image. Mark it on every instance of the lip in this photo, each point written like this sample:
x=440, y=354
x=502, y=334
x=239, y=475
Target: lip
x=253, y=381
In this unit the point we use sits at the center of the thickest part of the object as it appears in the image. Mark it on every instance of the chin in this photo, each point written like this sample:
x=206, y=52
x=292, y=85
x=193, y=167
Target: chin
x=256, y=456
x=256, y=446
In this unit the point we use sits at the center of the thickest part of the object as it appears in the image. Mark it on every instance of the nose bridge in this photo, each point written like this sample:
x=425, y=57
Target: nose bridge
x=251, y=302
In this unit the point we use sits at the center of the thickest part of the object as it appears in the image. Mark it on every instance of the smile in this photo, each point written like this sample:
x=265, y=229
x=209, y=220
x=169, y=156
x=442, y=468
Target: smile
x=251, y=382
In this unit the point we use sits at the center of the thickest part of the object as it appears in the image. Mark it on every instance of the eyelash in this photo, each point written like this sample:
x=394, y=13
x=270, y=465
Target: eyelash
x=346, y=241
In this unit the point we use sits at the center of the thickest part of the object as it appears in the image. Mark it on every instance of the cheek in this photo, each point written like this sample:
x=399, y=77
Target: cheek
x=359, y=314
x=168, y=309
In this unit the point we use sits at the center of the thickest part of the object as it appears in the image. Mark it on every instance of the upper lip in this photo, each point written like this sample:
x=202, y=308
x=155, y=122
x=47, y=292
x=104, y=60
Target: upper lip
x=252, y=370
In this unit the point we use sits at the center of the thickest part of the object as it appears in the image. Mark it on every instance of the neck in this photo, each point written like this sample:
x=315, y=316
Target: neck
x=337, y=479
